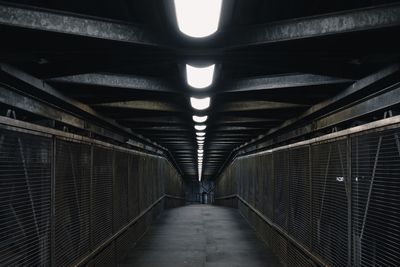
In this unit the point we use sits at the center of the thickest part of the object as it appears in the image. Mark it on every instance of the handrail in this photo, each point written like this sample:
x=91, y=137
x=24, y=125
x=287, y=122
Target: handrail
x=103, y=245
x=279, y=229
x=175, y=197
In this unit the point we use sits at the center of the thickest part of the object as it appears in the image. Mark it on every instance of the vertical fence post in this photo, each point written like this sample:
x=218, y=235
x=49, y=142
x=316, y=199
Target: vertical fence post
x=310, y=196
x=272, y=188
x=91, y=244
x=113, y=229
x=53, y=202
x=349, y=201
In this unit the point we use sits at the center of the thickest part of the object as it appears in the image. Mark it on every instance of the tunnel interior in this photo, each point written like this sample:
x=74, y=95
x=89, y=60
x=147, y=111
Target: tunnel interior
x=199, y=133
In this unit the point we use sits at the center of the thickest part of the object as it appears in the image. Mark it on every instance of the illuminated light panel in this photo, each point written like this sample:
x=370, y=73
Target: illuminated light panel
x=200, y=134
x=200, y=103
x=200, y=78
x=200, y=119
x=200, y=127
x=200, y=138
x=198, y=18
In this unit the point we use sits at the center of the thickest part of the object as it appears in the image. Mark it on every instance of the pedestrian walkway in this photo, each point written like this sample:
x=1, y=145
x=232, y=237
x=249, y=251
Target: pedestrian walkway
x=200, y=235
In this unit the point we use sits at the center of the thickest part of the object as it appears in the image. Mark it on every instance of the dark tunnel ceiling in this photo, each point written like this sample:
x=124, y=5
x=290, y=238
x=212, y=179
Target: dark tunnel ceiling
x=259, y=84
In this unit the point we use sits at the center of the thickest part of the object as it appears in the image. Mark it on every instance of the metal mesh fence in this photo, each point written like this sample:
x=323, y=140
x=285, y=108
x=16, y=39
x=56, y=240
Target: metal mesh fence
x=281, y=172
x=333, y=202
x=25, y=199
x=120, y=193
x=102, y=197
x=61, y=198
x=299, y=217
x=330, y=201
x=375, y=198
x=72, y=201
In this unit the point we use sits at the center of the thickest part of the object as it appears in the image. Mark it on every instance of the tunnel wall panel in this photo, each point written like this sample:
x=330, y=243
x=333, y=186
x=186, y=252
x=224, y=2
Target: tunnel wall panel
x=120, y=190
x=102, y=195
x=68, y=200
x=375, y=188
x=326, y=201
x=330, y=201
x=72, y=201
x=25, y=199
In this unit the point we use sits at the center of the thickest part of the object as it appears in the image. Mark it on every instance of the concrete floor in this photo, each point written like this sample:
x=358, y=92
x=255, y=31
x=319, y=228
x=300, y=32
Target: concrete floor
x=200, y=235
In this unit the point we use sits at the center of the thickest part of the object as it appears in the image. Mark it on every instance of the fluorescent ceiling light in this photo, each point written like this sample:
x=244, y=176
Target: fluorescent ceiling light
x=200, y=138
x=201, y=134
x=198, y=18
x=200, y=151
x=200, y=142
x=200, y=119
x=200, y=103
x=200, y=77
x=200, y=127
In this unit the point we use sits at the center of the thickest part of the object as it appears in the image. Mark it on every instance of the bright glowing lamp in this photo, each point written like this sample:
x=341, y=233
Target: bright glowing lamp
x=198, y=18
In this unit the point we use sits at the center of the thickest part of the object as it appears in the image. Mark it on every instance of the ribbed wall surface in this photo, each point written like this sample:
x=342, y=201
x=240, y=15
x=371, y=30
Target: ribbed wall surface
x=337, y=199
x=97, y=190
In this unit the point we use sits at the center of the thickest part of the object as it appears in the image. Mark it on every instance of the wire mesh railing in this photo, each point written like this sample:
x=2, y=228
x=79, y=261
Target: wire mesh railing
x=330, y=201
x=67, y=200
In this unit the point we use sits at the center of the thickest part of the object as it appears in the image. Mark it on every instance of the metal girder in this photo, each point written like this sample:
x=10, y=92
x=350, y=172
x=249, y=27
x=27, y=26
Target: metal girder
x=316, y=26
x=366, y=85
x=68, y=111
x=45, y=20
x=163, y=128
x=256, y=105
x=282, y=81
x=384, y=98
x=154, y=120
x=141, y=105
x=362, y=85
x=234, y=128
x=240, y=119
x=118, y=81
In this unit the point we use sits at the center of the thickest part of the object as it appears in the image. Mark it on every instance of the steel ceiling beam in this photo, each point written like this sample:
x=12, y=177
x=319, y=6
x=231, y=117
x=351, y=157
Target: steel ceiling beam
x=282, y=81
x=118, y=81
x=358, y=20
x=140, y=105
x=256, y=105
x=25, y=17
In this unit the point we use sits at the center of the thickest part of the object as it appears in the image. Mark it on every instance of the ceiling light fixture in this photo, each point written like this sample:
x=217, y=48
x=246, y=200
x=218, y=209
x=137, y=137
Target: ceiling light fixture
x=200, y=138
x=200, y=127
x=198, y=18
x=201, y=134
x=200, y=77
x=200, y=119
x=200, y=103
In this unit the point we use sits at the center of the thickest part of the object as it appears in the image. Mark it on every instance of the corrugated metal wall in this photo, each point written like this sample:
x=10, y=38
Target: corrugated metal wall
x=61, y=199
x=333, y=202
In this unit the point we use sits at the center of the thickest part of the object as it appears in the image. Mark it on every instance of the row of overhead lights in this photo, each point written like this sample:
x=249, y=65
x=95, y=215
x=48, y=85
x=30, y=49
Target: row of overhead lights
x=200, y=78
x=191, y=16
